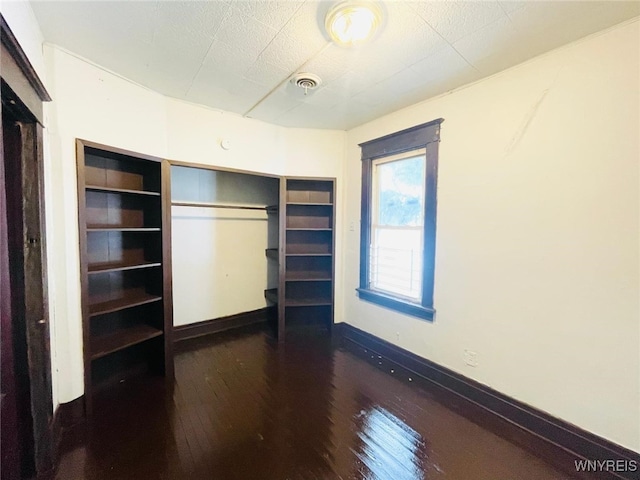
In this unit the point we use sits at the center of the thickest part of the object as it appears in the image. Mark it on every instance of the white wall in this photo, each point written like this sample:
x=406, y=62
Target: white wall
x=22, y=22
x=96, y=105
x=537, y=234
x=222, y=268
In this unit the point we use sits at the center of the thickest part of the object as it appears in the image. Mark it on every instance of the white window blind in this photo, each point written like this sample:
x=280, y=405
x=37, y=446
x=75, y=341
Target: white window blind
x=397, y=224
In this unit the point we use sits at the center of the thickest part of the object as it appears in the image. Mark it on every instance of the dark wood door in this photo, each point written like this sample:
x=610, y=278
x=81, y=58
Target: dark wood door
x=26, y=365
x=9, y=439
x=35, y=321
x=16, y=420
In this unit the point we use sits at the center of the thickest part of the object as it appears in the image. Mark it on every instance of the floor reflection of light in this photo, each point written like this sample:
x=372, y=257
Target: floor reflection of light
x=390, y=448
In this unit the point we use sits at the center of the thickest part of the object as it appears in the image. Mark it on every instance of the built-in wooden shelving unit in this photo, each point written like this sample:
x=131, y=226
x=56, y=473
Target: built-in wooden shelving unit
x=305, y=292
x=125, y=266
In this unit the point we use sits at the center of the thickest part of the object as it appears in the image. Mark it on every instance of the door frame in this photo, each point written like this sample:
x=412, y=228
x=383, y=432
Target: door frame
x=23, y=94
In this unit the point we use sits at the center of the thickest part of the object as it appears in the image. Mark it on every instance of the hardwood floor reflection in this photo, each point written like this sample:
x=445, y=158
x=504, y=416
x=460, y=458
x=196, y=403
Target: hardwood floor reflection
x=244, y=408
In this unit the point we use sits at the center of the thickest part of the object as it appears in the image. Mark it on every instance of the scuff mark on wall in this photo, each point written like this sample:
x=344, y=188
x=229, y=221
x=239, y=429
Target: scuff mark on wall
x=524, y=126
x=529, y=117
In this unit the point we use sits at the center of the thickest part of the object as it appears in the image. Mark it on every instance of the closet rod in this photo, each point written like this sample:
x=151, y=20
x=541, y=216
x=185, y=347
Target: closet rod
x=215, y=205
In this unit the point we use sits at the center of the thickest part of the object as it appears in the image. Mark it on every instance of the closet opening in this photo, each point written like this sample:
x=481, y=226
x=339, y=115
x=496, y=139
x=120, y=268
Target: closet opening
x=224, y=248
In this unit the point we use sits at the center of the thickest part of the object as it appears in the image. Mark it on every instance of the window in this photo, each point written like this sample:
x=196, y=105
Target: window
x=397, y=250
x=397, y=225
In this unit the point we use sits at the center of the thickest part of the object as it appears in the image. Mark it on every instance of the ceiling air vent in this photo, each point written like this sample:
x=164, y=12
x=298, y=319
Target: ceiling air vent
x=306, y=81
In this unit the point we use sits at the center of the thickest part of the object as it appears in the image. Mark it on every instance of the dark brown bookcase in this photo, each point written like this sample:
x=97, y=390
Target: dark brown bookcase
x=305, y=293
x=125, y=266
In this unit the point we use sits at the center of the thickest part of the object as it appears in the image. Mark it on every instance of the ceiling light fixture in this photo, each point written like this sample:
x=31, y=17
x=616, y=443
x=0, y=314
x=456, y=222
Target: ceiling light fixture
x=353, y=22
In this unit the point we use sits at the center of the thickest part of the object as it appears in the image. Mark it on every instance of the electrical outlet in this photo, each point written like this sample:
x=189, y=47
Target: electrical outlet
x=352, y=226
x=470, y=358
x=398, y=336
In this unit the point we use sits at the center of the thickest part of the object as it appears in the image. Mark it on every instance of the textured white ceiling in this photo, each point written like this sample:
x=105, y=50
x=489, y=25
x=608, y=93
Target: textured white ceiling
x=239, y=55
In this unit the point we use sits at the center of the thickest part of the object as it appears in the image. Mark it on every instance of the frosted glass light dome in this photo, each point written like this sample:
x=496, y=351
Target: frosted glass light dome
x=352, y=23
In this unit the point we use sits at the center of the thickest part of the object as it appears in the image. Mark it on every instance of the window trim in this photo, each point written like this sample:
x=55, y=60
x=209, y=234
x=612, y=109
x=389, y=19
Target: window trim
x=427, y=136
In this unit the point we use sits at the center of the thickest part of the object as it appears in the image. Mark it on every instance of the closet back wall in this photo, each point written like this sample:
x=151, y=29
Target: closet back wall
x=219, y=262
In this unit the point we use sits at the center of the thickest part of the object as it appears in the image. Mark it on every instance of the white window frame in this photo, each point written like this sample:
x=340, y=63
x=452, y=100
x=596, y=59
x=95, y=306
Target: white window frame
x=414, y=292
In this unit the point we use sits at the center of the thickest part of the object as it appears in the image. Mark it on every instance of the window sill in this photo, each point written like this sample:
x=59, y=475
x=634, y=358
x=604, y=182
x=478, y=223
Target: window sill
x=394, y=303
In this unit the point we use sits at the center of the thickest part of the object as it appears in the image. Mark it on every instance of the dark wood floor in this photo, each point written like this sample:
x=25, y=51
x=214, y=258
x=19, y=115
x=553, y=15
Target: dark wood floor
x=243, y=408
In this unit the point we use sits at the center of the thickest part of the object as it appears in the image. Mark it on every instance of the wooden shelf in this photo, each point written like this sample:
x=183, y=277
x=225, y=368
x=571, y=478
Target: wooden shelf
x=308, y=223
x=271, y=295
x=310, y=229
x=97, y=188
x=309, y=190
x=121, y=303
x=126, y=293
x=119, y=267
x=123, y=338
x=272, y=253
x=103, y=377
x=312, y=204
x=307, y=302
x=218, y=205
x=305, y=242
x=309, y=216
x=295, y=276
x=111, y=228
